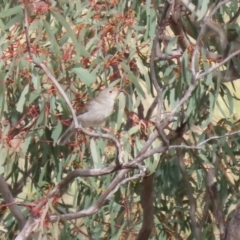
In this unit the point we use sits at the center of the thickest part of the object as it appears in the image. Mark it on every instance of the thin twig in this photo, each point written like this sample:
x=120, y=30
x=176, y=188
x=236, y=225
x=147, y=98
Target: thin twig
x=81, y=173
x=124, y=181
x=98, y=204
x=32, y=221
x=154, y=78
x=201, y=75
x=185, y=97
x=214, y=10
x=234, y=17
x=119, y=179
x=202, y=31
x=192, y=8
x=151, y=109
x=217, y=137
x=197, y=76
x=155, y=45
x=185, y=147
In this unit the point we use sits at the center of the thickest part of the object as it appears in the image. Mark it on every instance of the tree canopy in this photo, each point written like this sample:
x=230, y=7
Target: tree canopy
x=166, y=163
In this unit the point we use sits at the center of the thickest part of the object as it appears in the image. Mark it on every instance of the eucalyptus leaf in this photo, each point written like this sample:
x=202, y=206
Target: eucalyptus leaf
x=87, y=77
x=22, y=100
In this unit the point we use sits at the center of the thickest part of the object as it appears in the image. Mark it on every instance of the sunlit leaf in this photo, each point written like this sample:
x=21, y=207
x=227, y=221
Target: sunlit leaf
x=79, y=48
x=95, y=154
x=87, y=77
x=22, y=99
x=11, y=11
x=203, y=10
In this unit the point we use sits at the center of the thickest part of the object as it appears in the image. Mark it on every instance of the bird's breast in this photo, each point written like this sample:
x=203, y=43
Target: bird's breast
x=96, y=115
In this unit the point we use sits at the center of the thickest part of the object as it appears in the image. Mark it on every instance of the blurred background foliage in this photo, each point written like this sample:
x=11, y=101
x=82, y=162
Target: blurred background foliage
x=88, y=45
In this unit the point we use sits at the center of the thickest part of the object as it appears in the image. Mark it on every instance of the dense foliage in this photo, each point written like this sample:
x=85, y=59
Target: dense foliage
x=166, y=166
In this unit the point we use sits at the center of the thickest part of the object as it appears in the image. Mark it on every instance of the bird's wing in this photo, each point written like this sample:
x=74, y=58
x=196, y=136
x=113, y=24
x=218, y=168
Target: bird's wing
x=83, y=109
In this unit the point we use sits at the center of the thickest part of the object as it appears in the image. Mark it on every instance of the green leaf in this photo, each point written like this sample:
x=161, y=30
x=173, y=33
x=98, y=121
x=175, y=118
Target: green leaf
x=56, y=131
x=230, y=105
x=212, y=101
x=95, y=154
x=32, y=96
x=143, y=70
x=16, y=19
x=26, y=143
x=78, y=46
x=11, y=11
x=134, y=130
x=22, y=99
x=171, y=44
x=204, y=9
x=121, y=106
x=4, y=155
x=221, y=109
x=185, y=63
x=52, y=38
x=204, y=158
x=151, y=165
x=133, y=79
x=87, y=77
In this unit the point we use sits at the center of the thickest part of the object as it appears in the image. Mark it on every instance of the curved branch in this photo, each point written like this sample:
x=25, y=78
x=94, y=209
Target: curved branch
x=217, y=137
x=9, y=200
x=201, y=75
x=160, y=27
x=99, y=203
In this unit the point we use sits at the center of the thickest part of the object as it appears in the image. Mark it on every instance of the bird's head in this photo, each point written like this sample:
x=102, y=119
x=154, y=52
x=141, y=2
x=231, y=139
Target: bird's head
x=110, y=93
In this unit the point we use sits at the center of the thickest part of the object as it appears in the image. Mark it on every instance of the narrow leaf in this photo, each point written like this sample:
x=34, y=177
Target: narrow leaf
x=87, y=77
x=22, y=99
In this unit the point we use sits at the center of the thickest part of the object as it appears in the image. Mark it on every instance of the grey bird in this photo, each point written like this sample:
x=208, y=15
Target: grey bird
x=96, y=112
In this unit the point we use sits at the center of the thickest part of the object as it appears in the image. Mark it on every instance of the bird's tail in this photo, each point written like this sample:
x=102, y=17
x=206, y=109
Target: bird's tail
x=66, y=135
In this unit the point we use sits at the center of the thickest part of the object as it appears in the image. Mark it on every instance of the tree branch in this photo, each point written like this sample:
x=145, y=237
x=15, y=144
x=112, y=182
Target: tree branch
x=201, y=75
x=158, y=31
x=217, y=137
x=147, y=198
x=9, y=200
